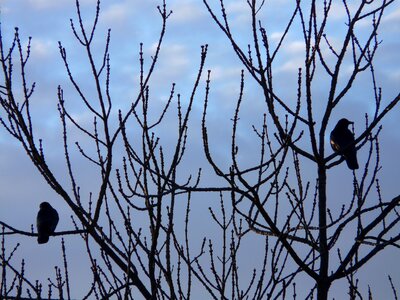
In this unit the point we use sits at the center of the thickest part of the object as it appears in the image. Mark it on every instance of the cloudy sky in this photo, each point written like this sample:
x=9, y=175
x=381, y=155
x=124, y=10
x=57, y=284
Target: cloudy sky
x=189, y=27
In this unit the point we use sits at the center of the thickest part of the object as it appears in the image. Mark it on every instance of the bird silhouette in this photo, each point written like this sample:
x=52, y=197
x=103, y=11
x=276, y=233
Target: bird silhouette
x=46, y=222
x=342, y=142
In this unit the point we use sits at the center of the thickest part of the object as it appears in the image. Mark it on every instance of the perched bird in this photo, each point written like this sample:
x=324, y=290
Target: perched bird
x=342, y=141
x=46, y=222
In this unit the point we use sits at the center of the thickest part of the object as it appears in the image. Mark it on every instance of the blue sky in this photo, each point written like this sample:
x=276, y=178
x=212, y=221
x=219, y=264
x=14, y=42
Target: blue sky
x=189, y=27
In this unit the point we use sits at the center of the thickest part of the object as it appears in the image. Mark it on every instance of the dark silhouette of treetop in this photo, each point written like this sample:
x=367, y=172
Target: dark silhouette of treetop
x=163, y=202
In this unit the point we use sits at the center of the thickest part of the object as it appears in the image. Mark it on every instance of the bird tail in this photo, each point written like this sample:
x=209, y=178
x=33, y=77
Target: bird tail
x=352, y=162
x=43, y=239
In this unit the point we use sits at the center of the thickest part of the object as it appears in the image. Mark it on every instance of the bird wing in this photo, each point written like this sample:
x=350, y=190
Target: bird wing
x=47, y=220
x=335, y=143
x=341, y=139
x=55, y=219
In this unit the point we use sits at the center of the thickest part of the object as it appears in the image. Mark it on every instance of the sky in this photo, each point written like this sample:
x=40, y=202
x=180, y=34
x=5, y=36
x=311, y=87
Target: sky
x=189, y=27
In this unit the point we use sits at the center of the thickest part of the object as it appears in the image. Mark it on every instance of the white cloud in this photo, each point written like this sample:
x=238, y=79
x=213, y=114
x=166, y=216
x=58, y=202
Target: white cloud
x=393, y=16
x=337, y=11
x=117, y=12
x=238, y=7
x=395, y=76
x=48, y=4
x=238, y=12
x=294, y=47
x=187, y=12
x=52, y=4
x=4, y=8
x=43, y=48
x=290, y=66
x=222, y=73
x=173, y=57
x=276, y=36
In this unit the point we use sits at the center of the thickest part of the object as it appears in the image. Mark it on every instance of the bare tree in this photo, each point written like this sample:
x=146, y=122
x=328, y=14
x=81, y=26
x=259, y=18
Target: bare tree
x=140, y=173
x=310, y=223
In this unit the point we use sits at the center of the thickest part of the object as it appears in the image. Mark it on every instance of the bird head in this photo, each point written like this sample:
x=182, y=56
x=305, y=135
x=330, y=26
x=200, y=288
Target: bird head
x=344, y=123
x=45, y=205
